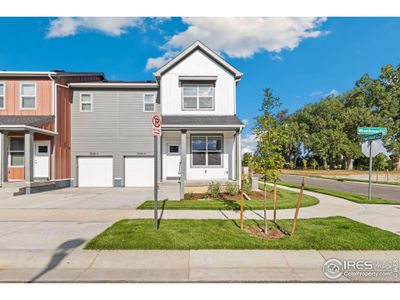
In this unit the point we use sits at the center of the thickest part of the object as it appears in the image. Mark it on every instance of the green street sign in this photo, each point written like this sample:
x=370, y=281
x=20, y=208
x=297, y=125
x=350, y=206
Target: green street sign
x=371, y=137
x=371, y=130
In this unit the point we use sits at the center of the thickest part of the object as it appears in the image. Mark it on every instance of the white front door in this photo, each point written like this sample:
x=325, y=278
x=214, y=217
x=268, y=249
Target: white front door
x=173, y=160
x=41, y=166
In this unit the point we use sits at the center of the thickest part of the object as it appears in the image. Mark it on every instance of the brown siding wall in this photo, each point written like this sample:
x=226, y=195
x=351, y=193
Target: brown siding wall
x=43, y=98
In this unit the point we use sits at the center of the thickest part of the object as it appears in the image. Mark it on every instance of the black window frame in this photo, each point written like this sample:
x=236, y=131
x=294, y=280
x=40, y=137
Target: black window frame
x=207, y=151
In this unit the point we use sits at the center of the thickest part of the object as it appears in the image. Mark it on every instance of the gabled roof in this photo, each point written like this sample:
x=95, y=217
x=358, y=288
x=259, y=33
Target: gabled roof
x=189, y=50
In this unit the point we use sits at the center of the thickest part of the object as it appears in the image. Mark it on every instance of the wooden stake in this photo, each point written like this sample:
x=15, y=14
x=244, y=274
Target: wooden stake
x=265, y=207
x=274, y=200
x=298, y=206
x=241, y=203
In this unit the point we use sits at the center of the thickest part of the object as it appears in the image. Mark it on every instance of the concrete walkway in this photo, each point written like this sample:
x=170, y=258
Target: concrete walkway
x=180, y=266
x=42, y=236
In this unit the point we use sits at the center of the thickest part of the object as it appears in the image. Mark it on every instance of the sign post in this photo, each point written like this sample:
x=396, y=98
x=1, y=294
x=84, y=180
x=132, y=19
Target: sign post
x=156, y=131
x=370, y=171
x=368, y=136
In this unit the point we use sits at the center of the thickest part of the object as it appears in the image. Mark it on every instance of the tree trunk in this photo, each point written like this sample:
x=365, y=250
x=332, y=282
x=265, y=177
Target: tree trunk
x=274, y=200
x=265, y=207
x=349, y=163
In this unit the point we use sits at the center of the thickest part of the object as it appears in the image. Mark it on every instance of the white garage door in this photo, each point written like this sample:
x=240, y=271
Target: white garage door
x=95, y=171
x=139, y=171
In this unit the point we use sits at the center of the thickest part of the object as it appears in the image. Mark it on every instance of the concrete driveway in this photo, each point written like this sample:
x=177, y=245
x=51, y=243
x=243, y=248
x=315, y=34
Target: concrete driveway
x=66, y=217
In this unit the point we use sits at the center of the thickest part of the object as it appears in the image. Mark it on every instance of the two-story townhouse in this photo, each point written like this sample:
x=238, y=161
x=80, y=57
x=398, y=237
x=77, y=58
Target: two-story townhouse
x=195, y=93
x=35, y=138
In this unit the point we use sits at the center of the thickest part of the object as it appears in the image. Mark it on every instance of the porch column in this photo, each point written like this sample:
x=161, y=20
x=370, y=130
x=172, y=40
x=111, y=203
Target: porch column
x=238, y=157
x=183, y=164
x=4, y=156
x=28, y=157
x=53, y=160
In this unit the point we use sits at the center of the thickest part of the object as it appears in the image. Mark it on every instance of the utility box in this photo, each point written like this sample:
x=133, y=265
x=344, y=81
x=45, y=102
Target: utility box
x=254, y=184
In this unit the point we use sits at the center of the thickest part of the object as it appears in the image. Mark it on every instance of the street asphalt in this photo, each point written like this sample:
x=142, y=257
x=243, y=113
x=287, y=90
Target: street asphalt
x=378, y=190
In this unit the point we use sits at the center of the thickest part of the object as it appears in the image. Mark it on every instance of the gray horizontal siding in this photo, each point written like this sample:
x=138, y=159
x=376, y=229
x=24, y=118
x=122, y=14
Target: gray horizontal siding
x=117, y=126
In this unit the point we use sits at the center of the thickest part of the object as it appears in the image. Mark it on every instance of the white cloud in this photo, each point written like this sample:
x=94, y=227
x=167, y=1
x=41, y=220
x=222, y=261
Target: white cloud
x=245, y=122
x=333, y=93
x=249, y=143
x=63, y=27
x=316, y=93
x=157, y=62
x=243, y=37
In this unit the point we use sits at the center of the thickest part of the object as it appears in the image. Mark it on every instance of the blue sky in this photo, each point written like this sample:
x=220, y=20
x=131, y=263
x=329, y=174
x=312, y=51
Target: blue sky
x=301, y=60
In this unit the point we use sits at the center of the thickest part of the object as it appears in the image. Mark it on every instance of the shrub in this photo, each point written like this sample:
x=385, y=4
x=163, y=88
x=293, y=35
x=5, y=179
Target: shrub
x=214, y=189
x=190, y=196
x=231, y=189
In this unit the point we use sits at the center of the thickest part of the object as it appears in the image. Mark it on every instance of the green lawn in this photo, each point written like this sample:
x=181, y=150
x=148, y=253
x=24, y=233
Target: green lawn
x=334, y=233
x=285, y=199
x=341, y=194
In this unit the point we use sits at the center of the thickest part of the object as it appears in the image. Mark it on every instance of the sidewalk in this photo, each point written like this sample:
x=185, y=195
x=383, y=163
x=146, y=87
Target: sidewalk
x=383, y=216
x=179, y=266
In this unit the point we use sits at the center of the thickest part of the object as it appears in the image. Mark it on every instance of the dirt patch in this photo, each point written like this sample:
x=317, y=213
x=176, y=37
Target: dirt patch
x=254, y=195
x=272, y=234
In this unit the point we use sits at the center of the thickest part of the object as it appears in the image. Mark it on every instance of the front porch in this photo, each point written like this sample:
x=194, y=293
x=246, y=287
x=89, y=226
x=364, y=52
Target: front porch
x=196, y=150
x=27, y=154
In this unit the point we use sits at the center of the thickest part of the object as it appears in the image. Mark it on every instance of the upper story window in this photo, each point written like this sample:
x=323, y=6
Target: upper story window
x=198, y=96
x=2, y=95
x=27, y=93
x=86, y=102
x=149, y=102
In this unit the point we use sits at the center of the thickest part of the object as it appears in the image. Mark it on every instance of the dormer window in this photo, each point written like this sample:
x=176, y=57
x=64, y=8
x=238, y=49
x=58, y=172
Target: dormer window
x=198, y=96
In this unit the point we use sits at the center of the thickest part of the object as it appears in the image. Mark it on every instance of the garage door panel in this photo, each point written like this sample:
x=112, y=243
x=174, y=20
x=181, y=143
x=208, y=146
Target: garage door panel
x=139, y=171
x=95, y=171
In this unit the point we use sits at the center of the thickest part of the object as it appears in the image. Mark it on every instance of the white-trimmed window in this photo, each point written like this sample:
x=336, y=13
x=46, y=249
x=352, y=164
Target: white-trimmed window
x=16, y=152
x=2, y=95
x=207, y=150
x=149, y=102
x=86, y=102
x=27, y=93
x=198, y=96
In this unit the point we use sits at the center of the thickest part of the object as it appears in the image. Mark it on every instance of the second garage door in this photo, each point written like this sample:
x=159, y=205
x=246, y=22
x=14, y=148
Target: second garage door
x=95, y=171
x=139, y=171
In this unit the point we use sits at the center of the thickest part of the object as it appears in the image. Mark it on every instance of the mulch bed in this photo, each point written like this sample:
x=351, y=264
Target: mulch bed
x=225, y=196
x=272, y=234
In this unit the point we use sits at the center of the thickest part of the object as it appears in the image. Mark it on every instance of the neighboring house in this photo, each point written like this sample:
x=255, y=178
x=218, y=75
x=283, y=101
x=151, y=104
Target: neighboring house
x=195, y=93
x=35, y=124
x=83, y=129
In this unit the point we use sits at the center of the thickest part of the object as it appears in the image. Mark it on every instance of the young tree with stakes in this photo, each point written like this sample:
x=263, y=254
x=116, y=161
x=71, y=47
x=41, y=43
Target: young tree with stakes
x=269, y=158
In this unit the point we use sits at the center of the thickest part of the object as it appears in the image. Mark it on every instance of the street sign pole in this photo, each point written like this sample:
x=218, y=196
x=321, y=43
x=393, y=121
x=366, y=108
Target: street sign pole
x=370, y=170
x=155, y=183
x=156, y=121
